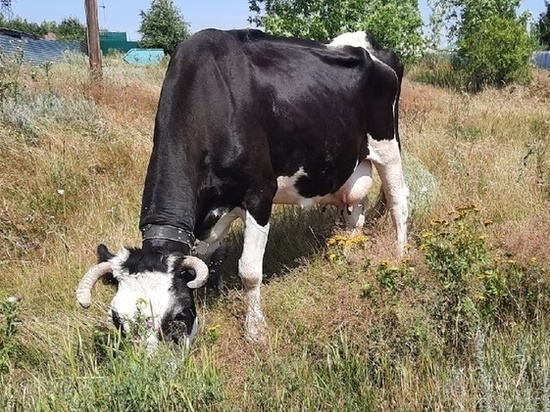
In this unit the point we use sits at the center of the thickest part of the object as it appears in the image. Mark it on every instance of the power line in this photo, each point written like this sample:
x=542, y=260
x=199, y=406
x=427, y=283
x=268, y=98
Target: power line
x=102, y=6
x=6, y=9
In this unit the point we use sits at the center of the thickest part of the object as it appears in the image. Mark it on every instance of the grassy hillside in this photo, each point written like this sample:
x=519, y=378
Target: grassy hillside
x=460, y=324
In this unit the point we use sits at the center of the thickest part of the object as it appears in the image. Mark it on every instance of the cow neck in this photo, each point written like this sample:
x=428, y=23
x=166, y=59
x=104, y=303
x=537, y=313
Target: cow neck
x=168, y=232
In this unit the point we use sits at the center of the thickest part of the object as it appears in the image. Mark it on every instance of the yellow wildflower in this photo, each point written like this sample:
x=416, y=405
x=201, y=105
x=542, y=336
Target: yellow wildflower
x=214, y=328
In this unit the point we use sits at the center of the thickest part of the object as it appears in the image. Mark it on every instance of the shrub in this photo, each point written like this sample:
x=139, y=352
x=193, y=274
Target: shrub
x=495, y=54
x=479, y=286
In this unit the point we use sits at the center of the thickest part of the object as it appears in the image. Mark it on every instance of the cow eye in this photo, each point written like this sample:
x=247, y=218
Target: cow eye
x=109, y=279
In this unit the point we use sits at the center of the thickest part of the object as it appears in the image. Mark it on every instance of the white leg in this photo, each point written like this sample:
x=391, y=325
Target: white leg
x=250, y=271
x=217, y=235
x=387, y=158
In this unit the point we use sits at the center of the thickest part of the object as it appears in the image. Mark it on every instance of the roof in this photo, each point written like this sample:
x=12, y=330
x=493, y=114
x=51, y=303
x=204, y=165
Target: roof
x=35, y=51
x=17, y=33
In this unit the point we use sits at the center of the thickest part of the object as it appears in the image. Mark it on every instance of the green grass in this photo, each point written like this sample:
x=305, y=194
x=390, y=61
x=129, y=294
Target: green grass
x=460, y=324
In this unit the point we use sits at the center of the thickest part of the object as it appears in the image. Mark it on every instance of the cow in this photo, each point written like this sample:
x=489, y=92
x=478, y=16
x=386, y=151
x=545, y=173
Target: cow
x=246, y=120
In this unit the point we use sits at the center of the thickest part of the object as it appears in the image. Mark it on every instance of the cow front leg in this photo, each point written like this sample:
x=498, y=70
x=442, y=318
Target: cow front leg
x=387, y=158
x=251, y=272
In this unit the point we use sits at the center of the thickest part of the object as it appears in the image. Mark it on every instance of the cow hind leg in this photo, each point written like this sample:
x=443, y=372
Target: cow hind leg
x=250, y=272
x=387, y=158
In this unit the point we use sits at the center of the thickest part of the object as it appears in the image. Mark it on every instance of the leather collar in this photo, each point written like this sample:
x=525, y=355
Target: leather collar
x=167, y=232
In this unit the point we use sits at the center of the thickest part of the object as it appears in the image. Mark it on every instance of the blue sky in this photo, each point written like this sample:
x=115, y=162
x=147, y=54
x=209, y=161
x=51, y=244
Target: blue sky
x=123, y=15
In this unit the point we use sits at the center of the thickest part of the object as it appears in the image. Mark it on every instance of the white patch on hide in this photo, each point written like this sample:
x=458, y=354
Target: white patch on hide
x=218, y=233
x=351, y=198
x=145, y=296
x=286, y=190
x=220, y=229
x=358, y=39
x=383, y=151
x=352, y=192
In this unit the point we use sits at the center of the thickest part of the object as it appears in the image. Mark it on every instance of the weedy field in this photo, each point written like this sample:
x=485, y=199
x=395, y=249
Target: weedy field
x=461, y=323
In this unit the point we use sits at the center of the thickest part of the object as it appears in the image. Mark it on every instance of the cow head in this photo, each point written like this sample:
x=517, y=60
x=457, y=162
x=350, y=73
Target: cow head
x=154, y=289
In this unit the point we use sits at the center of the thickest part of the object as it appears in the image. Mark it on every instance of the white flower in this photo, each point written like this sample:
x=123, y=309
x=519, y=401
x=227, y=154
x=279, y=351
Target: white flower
x=61, y=191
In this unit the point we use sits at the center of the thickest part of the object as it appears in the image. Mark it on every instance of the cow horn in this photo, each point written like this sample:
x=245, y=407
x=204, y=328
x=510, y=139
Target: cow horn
x=84, y=289
x=200, y=268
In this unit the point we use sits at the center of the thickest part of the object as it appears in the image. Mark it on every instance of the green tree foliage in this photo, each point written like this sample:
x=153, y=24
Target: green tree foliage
x=70, y=29
x=543, y=27
x=21, y=24
x=395, y=24
x=163, y=26
x=49, y=26
x=493, y=44
x=496, y=53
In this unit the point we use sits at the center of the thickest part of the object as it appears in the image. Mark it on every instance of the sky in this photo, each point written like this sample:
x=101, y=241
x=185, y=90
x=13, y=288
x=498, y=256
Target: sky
x=123, y=15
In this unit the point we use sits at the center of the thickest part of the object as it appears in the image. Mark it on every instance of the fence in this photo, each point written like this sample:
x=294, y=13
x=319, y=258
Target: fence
x=37, y=51
x=115, y=40
x=541, y=59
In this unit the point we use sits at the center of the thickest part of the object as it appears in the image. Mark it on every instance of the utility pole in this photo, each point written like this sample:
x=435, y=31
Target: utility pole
x=94, y=51
x=6, y=9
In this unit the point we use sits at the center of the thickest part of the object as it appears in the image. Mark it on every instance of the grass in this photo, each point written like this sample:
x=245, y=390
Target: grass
x=460, y=324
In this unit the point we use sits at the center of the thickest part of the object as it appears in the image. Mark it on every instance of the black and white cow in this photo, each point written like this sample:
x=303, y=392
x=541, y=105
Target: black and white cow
x=246, y=120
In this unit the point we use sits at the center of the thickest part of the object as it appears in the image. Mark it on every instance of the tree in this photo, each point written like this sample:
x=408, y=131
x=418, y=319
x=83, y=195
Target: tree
x=48, y=26
x=543, y=27
x=162, y=26
x=395, y=24
x=496, y=53
x=493, y=45
x=21, y=24
x=71, y=29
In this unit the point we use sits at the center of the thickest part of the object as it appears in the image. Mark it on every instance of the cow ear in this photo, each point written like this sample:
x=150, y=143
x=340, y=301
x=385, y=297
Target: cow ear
x=103, y=254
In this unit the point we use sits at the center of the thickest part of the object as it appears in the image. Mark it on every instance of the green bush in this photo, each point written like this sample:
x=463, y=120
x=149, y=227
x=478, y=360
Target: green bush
x=478, y=286
x=495, y=54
